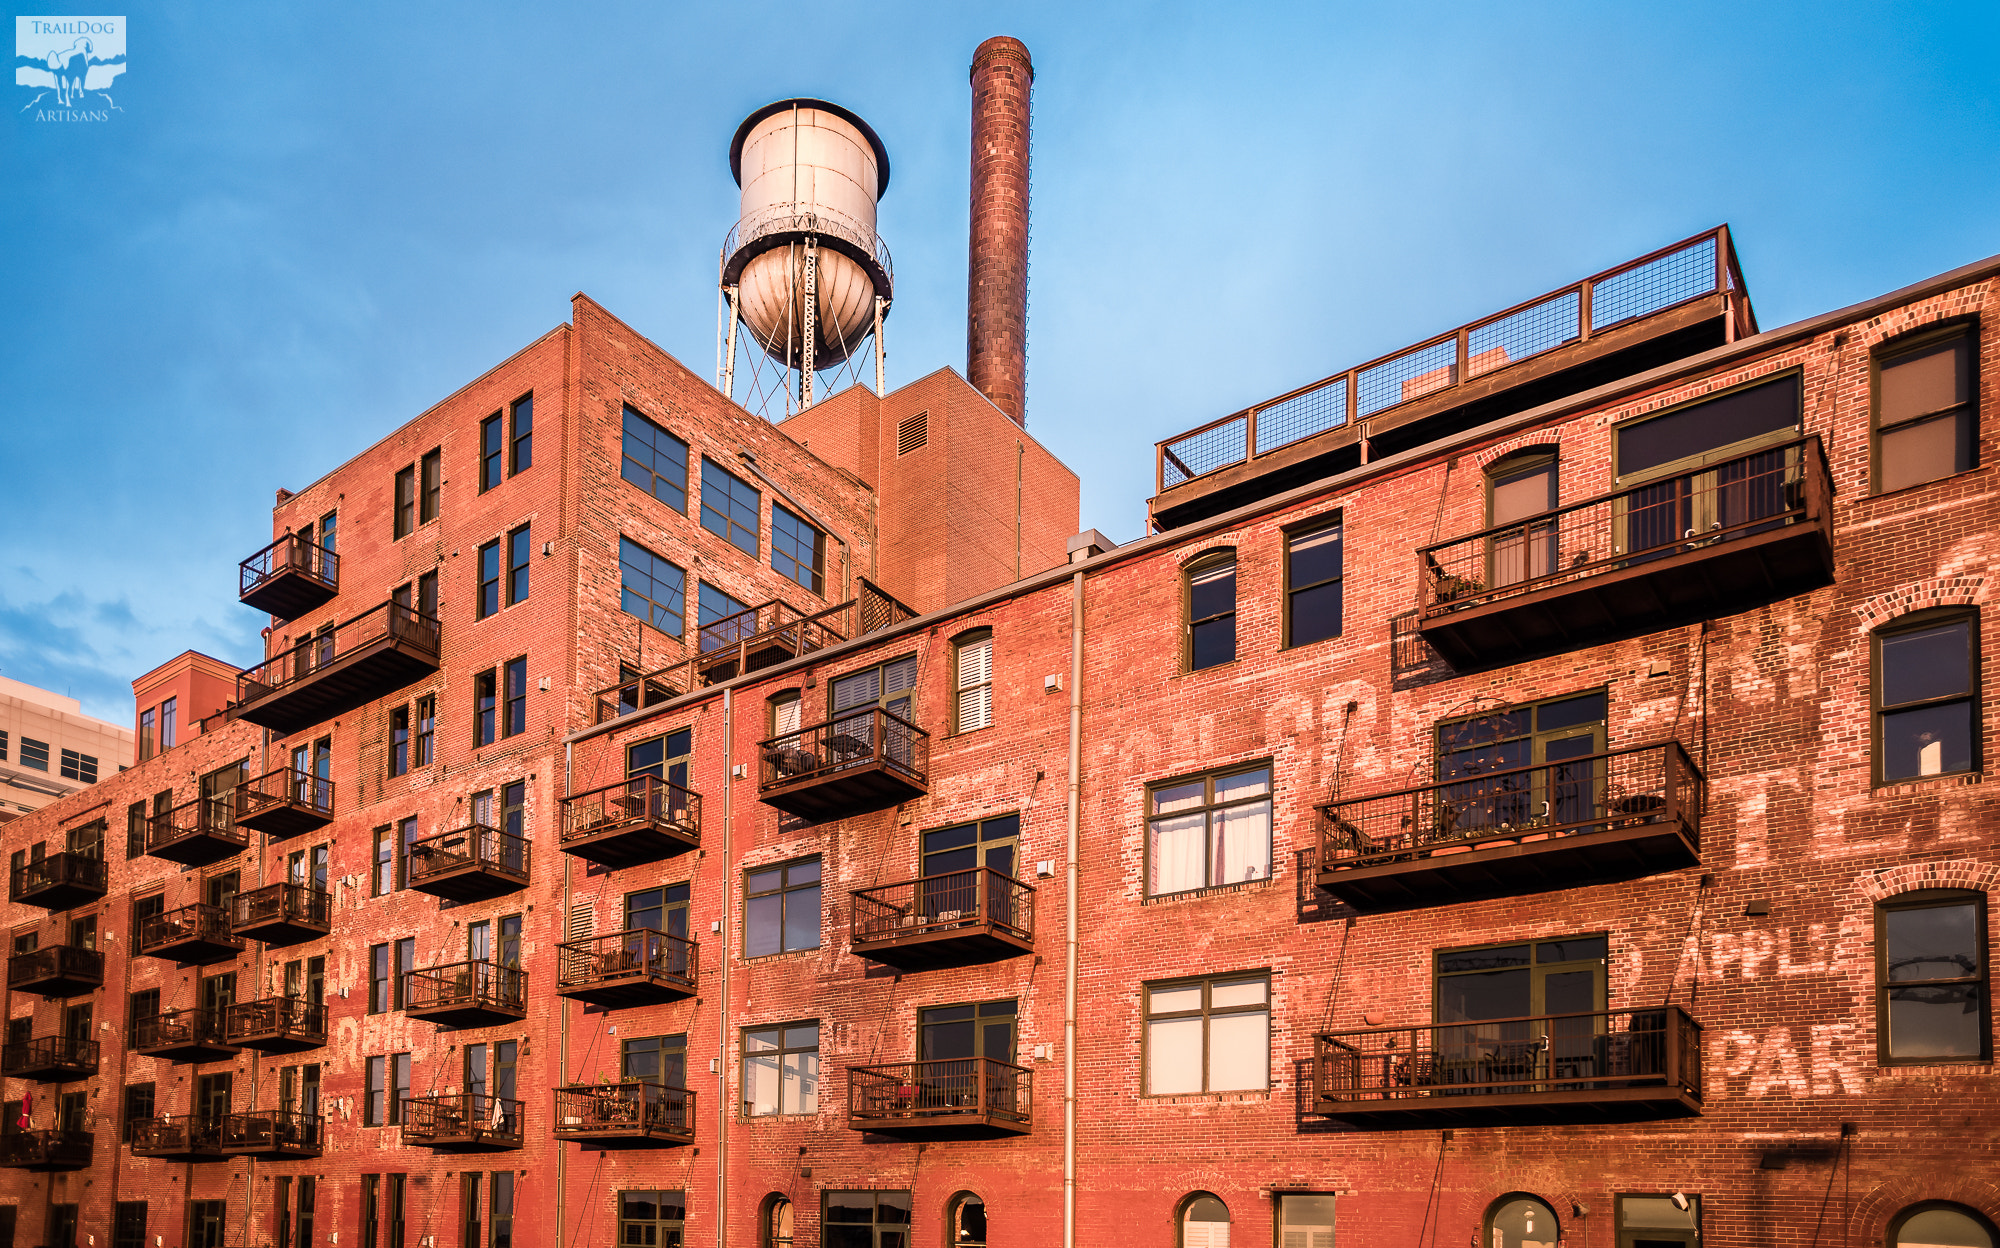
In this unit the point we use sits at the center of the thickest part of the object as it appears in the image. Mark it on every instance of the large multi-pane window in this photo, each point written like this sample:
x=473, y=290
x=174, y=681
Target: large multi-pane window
x=663, y=758
x=781, y=908
x=1210, y=830
x=655, y=1059
x=798, y=550
x=77, y=766
x=712, y=606
x=1927, y=696
x=1305, y=1219
x=1925, y=423
x=1208, y=1035
x=651, y=1219
x=1930, y=950
x=128, y=1226
x=34, y=754
x=1211, y=610
x=654, y=460
x=651, y=588
x=1524, y=763
x=1313, y=572
x=138, y=1106
x=729, y=507
x=866, y=1220
x=1533, y=979
x=781, y=1070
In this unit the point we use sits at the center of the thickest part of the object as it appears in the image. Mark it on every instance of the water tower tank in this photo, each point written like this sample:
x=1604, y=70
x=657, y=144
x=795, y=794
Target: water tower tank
x=811, y=173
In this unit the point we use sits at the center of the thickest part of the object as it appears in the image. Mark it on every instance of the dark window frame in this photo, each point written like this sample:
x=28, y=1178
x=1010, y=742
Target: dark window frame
x=779, y=1053
x=1208, y=1010
x=423, y=734
x=485, y=707
x=1209, y=807
x=1917, y=621
x=492, y=452
x=959, y=645
x=1538, y=971
x=1888, y=352
x=520, y=553
x=399, y=740
x=521, y=434
x=875, y=1227
x=654, y=580
x=787, y=527
x=514, y=696
x=403, y=505
x=1625, y=1236
x=1334, y=521
x=1206, y=562
x=1903, y=1216
x=486, y=567
x=1980, y=982
x=784, y=891
x=726, y=484
x=430, y=485
x=657, y=451
x=656, y=1224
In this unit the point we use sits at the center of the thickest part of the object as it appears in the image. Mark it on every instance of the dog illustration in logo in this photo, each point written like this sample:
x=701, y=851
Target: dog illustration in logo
x=70, y=69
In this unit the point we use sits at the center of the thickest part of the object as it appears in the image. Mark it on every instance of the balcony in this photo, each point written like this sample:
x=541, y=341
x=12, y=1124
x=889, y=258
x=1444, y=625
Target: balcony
x=58, y=882
x=1590, y=820
x=625, y=1115
x=639, y=967
x=763, y=635
x=289, y=577
x=955, y=919
x=372, y=655
x=282, y=914
x=178, y=1137
x=641, y=692
x=960, y=1098
x=193, y=935
x=462, y=1122
x=865, y=760
x=466, y=994
x=1732, y=536
x=183, y=1035
x=276, y=1025
x=635, y=821
x=197, y=833
x=271, y=1133
x=45, y=1150
x=469, y=864
x=57, y=971
x=1614, y=1066
x=50, y=1059
x=1661, y=307
x=285, y=802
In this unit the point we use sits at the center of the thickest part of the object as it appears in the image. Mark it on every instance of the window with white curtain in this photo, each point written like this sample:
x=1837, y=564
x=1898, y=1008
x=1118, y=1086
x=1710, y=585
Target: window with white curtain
x=1208, y=1035
x=974, y=683
x=1209, y=830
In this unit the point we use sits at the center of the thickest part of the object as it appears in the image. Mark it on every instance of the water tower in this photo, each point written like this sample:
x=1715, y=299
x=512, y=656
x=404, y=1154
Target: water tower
x=803, y=270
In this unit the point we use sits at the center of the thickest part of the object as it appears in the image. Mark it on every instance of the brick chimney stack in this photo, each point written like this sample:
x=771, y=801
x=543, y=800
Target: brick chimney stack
x=996, y=313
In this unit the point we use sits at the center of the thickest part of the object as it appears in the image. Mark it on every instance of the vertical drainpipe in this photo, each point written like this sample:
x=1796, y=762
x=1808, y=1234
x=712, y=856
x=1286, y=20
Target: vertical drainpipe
x=562, y=1013
x=722, y=1014
x=1069, y=905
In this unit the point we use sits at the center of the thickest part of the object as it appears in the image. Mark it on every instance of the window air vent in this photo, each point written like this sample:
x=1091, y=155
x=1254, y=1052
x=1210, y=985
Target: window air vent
x=914, y=433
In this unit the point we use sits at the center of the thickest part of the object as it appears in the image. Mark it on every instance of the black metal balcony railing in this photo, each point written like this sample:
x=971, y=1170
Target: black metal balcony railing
x=179, y=1137
x=972, y=1094
x=59, y=881
x=283, y=1132
x=466, y=993
x=1599, y=817
x=197, y=832
x=858, y=761
x=186, y=1034
x=1704, y=542
x=462, y=1120
x=638, y=820
x=45, y=1150
x=282, y=914
x=48, y=1059
x=1609, y=1064
x=971, y=915
x=276, y=1024
x=376, y=653
x=648, y=689
x=196, y=935
x=469, y=863
x=628, y=968
x=285, y=802
x=290, y=576
x=56, y=971
x=760, y=636
x=633, y=1113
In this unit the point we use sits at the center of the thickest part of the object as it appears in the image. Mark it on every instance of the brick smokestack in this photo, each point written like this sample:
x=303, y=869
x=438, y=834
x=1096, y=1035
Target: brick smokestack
x=996, y=304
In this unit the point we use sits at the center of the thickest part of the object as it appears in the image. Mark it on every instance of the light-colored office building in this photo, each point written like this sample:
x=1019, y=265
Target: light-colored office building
x=49, y=748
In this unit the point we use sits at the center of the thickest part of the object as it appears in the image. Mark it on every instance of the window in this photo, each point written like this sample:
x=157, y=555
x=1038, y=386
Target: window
x=781, y=908
x=1305, y=1219
x=488, y=601
x=1313, y=572
x=492, y=439
x=484, y=712
x=77, y=766
x=989, y=843
x=399, y=1089
x=1209, y=831
x=138, y=1107
x=385, y=862
x=406, y=501
x=378, y=979
x=431, y=471
x=426, y=730
x=143, y=1005
x=1521, y=1221
x=514, y=716
x=973, y=665
x=965, y=1222
x=1926, y=697
x=655, y=1059
x=371, y=1209
x=1519, y=488
x=1661, y=1221
x=3, y=747
x=651, y=588
x=1211, y=608
x=658, y=909
x=729, y=507
x=1204, y=1222
x=398, y=1191
x=135, y=830
x=146, y=718
x=406, y=962
x=713, y=606
x=784, y=709
x=798, y=550
x=1531, y=980
x=522, y=455
x=207, y=1221
x=888, y=686
x=1924, y=422
x=1208, y=1035
x=651, y=1218
x=513, y=817
x=34, y=754
x=656, y=461
x=399, y=741
x=427, y=595
x=329, y=532
x=1502, y=754
x=62, y=1226
x=169, y=724
x=1930, y=978
x=128, y=1225
x=378, y=1071
x=469, y=1209
x=866, y=1220
x=518, y=545
x=953, y=1032
x=1936, y=1223
x=502, y=1216
x=781, y=1070
x=776, y=1222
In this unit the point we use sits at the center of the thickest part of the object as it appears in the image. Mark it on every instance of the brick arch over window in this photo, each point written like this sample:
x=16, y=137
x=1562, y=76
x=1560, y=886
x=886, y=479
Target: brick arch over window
x=1941, y=591
x=1874, y=1212
x=1547, y=441
x=1906, y=321
x=1219, y=541
x=1879, y=886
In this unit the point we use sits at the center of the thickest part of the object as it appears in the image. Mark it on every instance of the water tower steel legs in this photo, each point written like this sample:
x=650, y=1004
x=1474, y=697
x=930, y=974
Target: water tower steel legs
x=881, y=306
x=729, y=349
x=810, y=325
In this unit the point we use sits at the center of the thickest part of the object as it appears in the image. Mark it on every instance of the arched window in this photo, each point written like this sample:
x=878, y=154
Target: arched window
x=1204, y=1222
x=1521, y=486
x=1519, y=1220
x=967, y=1221
x=1938, y=1224
x=777, y=1220
x=1211, y=610
x=1930, y=978
x=1927, y=696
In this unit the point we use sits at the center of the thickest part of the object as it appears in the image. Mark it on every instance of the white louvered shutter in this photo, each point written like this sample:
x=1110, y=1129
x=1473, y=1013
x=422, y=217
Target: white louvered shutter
x=1205, y=1235
x=975, y=685
x=785, y=717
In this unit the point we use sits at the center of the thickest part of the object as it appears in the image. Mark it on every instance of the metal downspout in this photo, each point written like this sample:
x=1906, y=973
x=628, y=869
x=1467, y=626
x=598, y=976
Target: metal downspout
x=1069, y=905
x=562, y=1015
x=722, y=1014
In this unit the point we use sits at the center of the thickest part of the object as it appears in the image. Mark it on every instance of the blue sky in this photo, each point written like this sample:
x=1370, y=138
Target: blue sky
x=309, y=223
